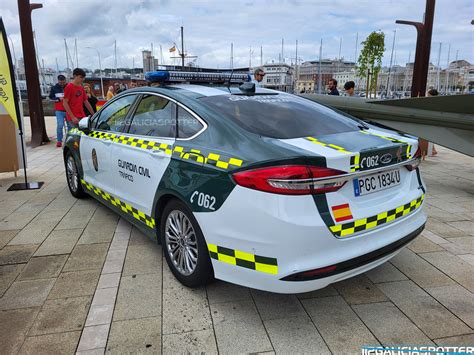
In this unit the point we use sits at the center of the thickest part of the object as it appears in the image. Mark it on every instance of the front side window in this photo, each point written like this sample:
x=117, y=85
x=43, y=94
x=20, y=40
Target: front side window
x=188, y=125
x=155, y=116
x=112, y=117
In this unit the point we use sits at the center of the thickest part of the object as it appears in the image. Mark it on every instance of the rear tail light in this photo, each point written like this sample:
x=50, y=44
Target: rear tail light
x=417, y=160
x=290, y=179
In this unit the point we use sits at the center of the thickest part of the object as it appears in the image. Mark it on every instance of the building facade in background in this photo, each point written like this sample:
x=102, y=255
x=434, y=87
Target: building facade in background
x=150, y=63
x=454, y=79
x=278, y=76
x=349, y=75
x=309, y=73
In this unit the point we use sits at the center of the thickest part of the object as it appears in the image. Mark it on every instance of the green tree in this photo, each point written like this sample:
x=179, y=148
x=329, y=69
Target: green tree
x=471, y=85
x=370, y=59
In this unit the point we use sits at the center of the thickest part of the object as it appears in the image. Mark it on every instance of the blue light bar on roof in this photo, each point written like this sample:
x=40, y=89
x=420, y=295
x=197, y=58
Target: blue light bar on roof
x=171, y=76
x=157, y=76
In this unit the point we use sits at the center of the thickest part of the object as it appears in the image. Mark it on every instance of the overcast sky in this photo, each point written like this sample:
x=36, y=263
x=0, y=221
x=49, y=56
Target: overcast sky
x=211, y=26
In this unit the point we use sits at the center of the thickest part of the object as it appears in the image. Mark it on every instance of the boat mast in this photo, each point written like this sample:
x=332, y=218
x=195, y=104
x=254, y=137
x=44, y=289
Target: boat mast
x=115, y=55
x=447, y=72
x=319, y=68
x=282, y=50
x=182, y=48
x=75, y=51
x=67, y=59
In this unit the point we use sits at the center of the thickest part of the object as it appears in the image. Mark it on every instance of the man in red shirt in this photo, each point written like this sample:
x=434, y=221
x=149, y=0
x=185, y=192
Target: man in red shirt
x=74, y=97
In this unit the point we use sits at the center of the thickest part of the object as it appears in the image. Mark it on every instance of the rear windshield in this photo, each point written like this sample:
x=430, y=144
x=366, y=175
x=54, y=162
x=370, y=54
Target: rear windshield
x=280, y=116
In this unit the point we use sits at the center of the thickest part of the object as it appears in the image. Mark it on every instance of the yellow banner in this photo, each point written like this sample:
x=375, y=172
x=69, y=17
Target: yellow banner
x=7, y=97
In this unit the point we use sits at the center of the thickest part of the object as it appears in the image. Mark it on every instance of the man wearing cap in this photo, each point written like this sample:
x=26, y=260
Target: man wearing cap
x=57, y=94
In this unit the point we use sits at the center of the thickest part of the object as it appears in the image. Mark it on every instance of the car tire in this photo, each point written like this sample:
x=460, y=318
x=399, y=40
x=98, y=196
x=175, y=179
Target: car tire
x=72, y=176
x=184, y=246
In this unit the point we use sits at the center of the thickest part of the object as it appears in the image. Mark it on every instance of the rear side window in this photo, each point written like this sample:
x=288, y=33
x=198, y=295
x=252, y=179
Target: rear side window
x=155, y=116
x=188, y=125
x=280, y=116
x=112, y=117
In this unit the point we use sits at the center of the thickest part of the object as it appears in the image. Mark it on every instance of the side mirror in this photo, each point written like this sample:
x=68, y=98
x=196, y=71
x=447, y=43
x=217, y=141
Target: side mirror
x=84, y=125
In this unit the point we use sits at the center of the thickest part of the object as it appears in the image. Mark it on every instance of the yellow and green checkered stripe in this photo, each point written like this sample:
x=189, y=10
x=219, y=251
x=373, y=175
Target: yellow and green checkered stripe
x=246, y=260
x=125, y=207
x=347, y=229
x=75, y=131
x=212, y=159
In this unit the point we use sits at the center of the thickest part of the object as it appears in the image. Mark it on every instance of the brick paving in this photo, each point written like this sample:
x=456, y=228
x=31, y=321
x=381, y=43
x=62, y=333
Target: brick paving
x=74, y=277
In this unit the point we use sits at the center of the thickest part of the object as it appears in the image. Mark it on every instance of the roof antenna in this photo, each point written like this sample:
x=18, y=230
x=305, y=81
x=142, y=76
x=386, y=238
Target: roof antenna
x=230, y=78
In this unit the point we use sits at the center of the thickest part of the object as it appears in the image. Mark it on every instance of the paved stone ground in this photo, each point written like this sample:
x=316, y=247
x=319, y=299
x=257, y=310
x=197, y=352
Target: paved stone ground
x=73, y=277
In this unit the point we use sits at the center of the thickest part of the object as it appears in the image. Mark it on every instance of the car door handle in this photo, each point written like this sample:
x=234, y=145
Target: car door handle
x=106, y=141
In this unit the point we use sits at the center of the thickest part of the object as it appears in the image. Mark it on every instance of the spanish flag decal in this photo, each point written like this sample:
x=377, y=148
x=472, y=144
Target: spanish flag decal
x=342, y=212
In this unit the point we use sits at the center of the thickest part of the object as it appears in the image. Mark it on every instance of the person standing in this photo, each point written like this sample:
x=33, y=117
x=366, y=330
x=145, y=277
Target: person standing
x=332, y=86
x=74, y=99
x=110, y=93
x=90, y=97
x=57, y=94
x=349, y=88
x=432, y=92
x=118, y=89
x=258, y=76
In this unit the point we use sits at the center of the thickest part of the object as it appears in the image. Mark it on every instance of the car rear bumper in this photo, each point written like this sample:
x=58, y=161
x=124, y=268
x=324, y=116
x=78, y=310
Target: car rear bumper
x=263, y=243
x=356, y=263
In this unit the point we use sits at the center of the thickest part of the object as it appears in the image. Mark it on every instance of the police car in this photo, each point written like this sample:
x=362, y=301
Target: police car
x=259, y=188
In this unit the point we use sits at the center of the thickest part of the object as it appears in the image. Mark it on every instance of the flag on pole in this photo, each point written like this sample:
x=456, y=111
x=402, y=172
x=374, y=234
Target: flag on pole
x=173, y=49
x=7, y=79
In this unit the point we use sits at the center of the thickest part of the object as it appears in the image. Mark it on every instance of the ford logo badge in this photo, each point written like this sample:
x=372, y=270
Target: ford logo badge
x=386, y=158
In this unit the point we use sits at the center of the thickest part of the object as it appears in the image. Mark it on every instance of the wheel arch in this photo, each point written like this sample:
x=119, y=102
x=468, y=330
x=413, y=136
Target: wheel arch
x=159, y=206
x=65, y=151
x=76, y=155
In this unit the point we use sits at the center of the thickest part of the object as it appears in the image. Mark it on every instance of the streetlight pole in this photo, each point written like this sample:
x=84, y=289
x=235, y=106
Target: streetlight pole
x=38, y=127
x=100, y=71
x=423, y=47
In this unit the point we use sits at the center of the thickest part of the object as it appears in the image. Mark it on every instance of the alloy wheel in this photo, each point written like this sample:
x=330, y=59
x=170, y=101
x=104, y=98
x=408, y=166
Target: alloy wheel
x=181, y=242
x=72, y=175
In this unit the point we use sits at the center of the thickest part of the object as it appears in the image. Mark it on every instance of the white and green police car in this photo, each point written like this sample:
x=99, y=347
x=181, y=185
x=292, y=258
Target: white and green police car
x=262, y=189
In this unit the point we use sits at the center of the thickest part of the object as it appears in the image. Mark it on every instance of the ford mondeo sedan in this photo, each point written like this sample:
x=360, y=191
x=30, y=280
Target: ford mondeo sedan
x=262, y=189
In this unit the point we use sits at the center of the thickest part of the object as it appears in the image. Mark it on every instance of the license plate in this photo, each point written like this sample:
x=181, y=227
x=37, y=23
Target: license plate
x=376, y=182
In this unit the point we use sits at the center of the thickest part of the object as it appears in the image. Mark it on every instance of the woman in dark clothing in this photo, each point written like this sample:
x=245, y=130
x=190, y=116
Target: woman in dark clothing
x=90, y=97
